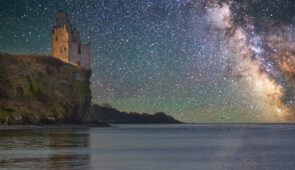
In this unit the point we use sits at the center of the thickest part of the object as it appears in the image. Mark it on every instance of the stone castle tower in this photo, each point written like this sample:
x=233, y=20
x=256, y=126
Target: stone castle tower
x=66, y=44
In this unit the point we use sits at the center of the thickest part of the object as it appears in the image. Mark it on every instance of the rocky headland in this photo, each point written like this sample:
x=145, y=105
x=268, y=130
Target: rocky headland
x=42, y=90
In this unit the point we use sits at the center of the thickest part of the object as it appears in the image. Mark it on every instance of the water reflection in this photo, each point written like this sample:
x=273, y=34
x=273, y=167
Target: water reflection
x=44, y=149
x=134, y=147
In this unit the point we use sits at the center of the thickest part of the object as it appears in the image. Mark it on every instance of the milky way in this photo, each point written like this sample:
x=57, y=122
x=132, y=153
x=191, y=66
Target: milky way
x=196, y=60
x=261, y=39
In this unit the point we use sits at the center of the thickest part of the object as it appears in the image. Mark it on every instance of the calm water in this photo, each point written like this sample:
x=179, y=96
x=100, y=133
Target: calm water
x=202, y=146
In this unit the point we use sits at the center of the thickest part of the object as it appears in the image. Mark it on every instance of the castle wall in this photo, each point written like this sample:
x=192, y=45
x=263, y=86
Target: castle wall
x=66, y=43
x=62, y=19
x=76, y=38
x=75, y=48
x=59, y=43
x=73, y=53
x=85, y=56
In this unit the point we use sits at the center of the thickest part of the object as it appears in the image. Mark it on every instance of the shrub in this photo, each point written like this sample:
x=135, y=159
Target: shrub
x=33, y=86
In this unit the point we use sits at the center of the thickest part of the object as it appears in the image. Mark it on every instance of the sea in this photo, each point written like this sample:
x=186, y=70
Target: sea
x=205, y=146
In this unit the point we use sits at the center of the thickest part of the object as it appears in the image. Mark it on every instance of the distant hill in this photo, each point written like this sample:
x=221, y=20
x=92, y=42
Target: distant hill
x=111, y=115
x=43, y=89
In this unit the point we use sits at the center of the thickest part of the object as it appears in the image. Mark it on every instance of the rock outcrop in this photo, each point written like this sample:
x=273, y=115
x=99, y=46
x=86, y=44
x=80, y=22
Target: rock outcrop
x=41, y=89
x=36, y=89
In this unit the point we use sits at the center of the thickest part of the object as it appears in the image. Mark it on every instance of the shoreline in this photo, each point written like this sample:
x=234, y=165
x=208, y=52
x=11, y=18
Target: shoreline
x=87, y=126
x=54, y=126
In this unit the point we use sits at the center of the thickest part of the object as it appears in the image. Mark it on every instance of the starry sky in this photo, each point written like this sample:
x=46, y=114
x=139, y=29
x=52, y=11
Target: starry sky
x=197, y=60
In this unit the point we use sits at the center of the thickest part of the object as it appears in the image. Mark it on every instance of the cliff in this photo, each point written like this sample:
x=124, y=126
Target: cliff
x=111, y=115
x=42, y=89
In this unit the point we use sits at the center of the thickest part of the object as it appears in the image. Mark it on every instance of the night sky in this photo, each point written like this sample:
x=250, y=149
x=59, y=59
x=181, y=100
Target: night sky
x=197, y=60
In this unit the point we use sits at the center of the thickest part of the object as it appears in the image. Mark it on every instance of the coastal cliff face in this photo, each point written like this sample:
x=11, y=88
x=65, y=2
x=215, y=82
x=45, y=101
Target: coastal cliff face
x=43, y=89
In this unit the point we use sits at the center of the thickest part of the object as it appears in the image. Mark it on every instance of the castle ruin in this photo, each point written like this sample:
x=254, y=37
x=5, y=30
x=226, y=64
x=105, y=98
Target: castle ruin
x=66, y=44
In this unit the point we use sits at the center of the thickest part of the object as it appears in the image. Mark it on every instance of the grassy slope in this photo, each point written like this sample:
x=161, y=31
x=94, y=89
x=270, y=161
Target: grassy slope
x=41, y=87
